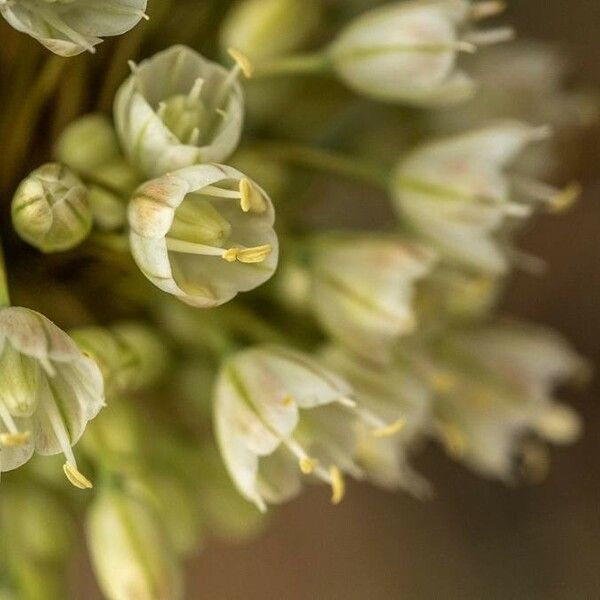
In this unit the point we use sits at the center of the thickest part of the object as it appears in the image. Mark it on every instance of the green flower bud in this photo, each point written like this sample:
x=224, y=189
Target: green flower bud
x=264, y=29
x=130, y=356
x=50, y=209
x=131, y=553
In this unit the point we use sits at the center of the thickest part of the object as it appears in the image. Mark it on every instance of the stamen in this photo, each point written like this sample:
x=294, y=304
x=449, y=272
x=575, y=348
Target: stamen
x=217, y=192
x=454, y=439
x=76, y=478
x=306, y=463
x=558, y=200
x=338, y=486
x=132, y=66
x=193, y=248
x=14, y=440
x=465, y=46
x=242, y=61
x=196, y=90
x=487, y=9
x=490, y=36
x=566, y=198
x=248, y=255
x=194, y=137
x=389, y=430
x=251, y=197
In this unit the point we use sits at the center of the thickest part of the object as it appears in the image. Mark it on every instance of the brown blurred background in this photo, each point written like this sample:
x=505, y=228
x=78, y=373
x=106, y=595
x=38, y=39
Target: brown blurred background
x=477, y=539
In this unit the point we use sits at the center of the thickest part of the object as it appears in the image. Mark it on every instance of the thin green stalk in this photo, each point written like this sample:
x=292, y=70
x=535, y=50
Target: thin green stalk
x=328, y=161
x=301, y=64
x=4, y=295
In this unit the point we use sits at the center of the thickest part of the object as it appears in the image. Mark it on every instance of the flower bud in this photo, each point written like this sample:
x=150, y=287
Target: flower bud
x=363, y=288
x=407, y=51
x=130, y=552
x=264, y=29
x=203, y=234
x=178, y=109
x=70, y=27
x=50, y=209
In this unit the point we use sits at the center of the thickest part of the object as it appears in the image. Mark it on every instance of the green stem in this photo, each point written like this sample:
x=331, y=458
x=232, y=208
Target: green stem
x=327, y=161
x=4, y=295
x=300, y=64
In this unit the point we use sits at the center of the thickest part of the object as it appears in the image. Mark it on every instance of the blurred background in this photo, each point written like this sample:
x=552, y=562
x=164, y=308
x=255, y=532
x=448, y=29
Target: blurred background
x=477, y=539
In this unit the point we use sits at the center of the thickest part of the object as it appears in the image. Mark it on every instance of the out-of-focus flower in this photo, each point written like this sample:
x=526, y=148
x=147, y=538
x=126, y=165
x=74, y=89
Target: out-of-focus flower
x=495, y=386
x=278, y=414
x=398, y=396
x=457, y=195
x=363, y=288
x=178, y=109
x=203, y=233
x=70, y=27
x=264, y=29
x=130, y=355
x=131, y=553
x=50, y=209
x=48, y=391
x=407, y=51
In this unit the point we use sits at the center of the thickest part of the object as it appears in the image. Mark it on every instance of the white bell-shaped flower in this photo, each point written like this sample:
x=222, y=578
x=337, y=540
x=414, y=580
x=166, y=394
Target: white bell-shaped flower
x=179, y=109
x=496, y=387
x=363, y=287
x=48, y=391
x=203, y=234
x=396, y=395
x=70, y=27
x=407, y=51
x=458, y=195
x=278, y=414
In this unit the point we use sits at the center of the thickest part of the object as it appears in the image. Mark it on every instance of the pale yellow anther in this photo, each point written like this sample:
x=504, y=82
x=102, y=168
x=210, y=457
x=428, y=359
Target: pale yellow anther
x=307, y=465
x=248, y=255
x=338, y=485
x=487, y=9
x=389, y=430
x=251, y=198
x=14, y=440
x=243, y=61
x=566, y=198
x=454, y=440
x=76, y=478
x=288, y=401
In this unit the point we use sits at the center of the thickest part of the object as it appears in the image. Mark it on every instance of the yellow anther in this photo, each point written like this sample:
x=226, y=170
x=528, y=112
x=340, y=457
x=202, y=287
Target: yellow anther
x=76, y=478
x=566, y=198
x=251, y=198
x=338, y=485
x=389, y=430
x=443, y=382
x=454, y=440
x=307, y=465
x=254, y=255
x=14, y=440
x=288, y=401
x=243, y=62
x=487, y=9
x=231, y=254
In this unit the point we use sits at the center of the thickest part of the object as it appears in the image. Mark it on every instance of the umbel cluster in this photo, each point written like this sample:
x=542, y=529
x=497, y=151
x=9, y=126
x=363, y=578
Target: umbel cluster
x=209, y=360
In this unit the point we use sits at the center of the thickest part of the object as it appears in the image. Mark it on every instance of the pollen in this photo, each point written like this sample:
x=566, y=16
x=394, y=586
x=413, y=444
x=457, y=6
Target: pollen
x=307, y=465
x=566, y=198
x=338, y=485
x=251, y=199
x=253, y=255
x=389, y=430
x=242, y=61
x=76, y=478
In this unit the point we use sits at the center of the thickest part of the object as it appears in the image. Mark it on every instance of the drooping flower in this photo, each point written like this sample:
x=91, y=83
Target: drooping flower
x=70, y=27
x=278, y=414
x=50, y=209
x=496, y=388
x=48, y=391
x=457, y=195
x=203, y=233
x=130, y=550
x=179, y=109
x=362, y=289
x=407, y=51
x=395, y=395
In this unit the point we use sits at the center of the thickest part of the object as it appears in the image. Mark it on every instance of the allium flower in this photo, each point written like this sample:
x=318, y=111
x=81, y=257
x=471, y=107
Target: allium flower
x=203, y=234
x=178, y=109
x=278, y=414
x=497, y=387
x=363, y=290
x=130, y=551
x=407, y=51
x=398, y=396
x=457, y=195
x=70, y=27
x=48, y=391
x=50, y=209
